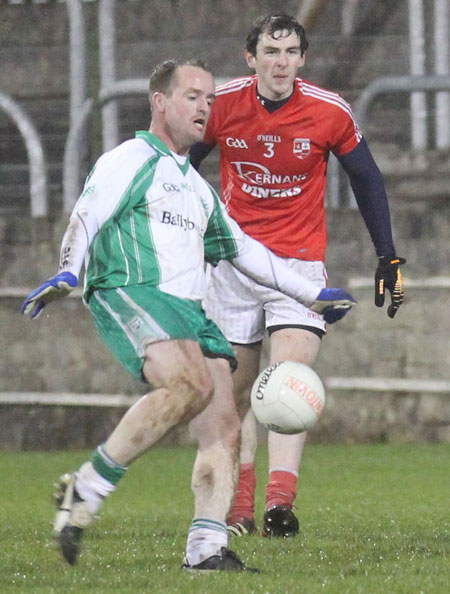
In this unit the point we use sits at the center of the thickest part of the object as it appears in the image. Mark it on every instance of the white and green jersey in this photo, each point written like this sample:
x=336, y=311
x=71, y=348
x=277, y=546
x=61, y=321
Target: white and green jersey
x=158, y=221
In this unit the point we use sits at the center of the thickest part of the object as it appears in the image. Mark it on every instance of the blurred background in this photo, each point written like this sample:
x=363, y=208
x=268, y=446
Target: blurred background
x=73, y=83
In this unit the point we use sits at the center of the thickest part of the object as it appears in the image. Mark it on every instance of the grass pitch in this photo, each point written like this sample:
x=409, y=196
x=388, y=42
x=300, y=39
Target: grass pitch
x=374, y=519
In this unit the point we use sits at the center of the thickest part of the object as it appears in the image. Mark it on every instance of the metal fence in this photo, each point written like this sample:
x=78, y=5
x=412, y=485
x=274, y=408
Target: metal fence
x=417, y=83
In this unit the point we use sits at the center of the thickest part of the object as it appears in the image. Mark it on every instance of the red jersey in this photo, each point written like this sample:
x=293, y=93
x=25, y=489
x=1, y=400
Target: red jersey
x=273, y=165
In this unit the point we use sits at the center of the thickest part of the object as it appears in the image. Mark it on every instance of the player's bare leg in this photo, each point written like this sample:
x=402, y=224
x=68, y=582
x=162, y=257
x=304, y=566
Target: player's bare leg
x=179, y=366
x=248, y=447
x=217, y=431
x=241, y=519
x=285, y=451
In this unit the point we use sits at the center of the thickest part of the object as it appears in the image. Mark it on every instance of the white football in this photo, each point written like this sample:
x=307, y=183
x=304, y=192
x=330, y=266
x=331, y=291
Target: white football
x=288, y=397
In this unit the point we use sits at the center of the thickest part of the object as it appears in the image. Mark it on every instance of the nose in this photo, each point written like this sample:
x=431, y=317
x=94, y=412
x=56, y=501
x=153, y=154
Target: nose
x=282, y=59
x=203, y=106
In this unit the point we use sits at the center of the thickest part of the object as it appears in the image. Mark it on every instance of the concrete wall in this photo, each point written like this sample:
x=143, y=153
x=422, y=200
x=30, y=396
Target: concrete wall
x=62, y=353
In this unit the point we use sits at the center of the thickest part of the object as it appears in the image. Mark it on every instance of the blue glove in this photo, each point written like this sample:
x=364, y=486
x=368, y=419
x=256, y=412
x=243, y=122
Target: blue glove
x=333, y=304
x=58, y=286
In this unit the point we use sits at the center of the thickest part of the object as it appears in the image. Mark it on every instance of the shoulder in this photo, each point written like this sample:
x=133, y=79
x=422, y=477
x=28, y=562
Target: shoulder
x=133, y=149
x=328, y=99
x=126, y=159
x=233, y=89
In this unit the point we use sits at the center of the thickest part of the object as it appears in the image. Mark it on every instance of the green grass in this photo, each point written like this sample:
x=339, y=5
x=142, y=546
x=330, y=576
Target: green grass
x=374, y=519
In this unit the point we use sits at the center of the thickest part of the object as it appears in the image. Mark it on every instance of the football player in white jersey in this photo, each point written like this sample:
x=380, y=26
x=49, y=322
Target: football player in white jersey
x=144, y=226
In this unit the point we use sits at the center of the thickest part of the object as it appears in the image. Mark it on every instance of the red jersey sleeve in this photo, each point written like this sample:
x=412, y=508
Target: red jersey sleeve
x=345, y=134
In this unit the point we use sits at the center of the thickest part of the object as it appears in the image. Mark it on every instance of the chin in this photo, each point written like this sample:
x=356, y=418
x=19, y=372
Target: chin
x=199, y=136
x=283, y=90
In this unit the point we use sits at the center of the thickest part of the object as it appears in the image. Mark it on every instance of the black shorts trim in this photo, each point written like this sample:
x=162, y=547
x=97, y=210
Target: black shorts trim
x=245, y=344
x=317, y=331
x=231, y=360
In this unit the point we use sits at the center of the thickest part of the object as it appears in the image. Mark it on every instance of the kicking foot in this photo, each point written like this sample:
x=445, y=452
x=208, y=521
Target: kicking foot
x=72, y=516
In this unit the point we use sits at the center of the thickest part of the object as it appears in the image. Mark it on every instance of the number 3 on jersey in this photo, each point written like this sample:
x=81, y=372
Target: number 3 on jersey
x=269, y=150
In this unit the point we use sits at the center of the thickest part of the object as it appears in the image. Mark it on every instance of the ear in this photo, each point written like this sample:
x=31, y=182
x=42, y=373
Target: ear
x=251, y=60
x=158, y=102
x=302, y=61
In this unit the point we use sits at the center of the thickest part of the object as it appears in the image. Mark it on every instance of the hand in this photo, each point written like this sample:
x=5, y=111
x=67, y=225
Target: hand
x=58, y=286
x=388, y=276
x=333, y=304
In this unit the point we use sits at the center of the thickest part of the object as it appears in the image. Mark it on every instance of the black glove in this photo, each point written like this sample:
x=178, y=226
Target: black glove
x=388, y=277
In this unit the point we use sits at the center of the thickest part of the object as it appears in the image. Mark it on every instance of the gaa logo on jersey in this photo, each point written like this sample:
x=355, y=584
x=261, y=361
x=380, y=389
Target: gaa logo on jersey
x=302, y=147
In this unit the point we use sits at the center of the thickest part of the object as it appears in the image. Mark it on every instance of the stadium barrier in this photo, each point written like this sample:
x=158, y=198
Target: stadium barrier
x=36, y=155
x=372, y=385
x=379, y=86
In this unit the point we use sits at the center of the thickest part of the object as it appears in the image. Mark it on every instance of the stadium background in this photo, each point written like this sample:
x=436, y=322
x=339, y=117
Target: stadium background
x=386, y=380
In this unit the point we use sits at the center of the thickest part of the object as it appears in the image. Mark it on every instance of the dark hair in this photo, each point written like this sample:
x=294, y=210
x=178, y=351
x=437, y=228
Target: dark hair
x=272, y=22
x=162, y=76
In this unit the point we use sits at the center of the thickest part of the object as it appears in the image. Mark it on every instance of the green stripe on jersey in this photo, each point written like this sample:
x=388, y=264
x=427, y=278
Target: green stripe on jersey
x=220, y=242
x=122, y=251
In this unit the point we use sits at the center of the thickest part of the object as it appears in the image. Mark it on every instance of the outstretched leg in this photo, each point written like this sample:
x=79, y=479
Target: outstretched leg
x=183, y=388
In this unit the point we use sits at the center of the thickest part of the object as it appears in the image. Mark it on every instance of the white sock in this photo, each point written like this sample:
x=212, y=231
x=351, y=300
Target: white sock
x=205, y=539
x=92, y=487
x=283, y=469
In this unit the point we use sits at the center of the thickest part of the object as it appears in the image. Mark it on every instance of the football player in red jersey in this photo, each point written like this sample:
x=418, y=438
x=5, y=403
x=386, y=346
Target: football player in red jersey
x=275, y=132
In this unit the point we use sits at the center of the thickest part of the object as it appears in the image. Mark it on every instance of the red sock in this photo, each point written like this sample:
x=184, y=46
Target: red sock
x=281, y=489
x=244, y=502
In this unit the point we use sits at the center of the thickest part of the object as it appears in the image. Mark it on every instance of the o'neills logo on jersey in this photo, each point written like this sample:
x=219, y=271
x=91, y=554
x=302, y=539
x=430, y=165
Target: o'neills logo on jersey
x=178, y=220
x=268, y=138
x=302, y=147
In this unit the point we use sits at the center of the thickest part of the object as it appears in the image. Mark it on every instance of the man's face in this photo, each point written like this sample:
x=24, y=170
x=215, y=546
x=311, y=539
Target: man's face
x=188, y=106
x=276, y=63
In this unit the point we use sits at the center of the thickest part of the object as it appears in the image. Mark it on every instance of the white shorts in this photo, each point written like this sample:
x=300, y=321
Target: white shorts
x=243, y=309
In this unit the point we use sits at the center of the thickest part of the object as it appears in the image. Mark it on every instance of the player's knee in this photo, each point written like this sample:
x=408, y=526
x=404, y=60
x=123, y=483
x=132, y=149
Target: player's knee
x=190, y=384
x=198, y=390
x=204, y=391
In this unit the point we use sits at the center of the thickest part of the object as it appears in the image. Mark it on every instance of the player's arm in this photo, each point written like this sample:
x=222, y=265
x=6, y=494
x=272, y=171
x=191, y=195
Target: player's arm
x=76, y=241
x=370, y=193
x=264, y=267
x=104, y=194
x=198, y=152
x=224, y=239
x=83, y=226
